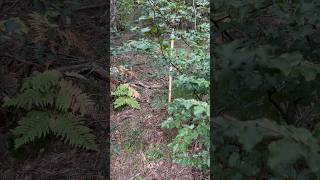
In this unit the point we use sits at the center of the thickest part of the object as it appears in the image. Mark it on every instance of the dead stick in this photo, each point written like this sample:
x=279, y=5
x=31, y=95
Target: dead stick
x=68, y=68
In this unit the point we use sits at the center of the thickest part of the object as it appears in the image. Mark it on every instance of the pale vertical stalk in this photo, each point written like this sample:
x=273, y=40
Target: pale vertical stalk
x=170, y=70
x=195, y=14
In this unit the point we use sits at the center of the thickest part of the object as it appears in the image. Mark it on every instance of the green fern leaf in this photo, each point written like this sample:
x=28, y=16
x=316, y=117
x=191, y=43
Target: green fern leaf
x=72, y=131
x=119, y=102
x=122, y=101
x=70, y=97
x=34, y=125
x=37, y=91
x=81, y=103
x=42, y=82
x=31, y=98
x=122, y=90
x=53, y=104
x=124, y=97
x=64, y=96
x=132, y=103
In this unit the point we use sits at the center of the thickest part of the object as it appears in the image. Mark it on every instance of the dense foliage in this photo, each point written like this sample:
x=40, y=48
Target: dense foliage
x=55, y=106
x=191, y=70
x=187, y=24
x=191, y=118
x=266, y=66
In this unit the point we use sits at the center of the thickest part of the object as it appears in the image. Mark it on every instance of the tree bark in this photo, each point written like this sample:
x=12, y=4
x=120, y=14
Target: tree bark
x=113, y=13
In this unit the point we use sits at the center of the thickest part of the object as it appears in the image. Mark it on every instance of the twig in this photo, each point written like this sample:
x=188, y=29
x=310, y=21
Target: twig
x=277, y=106
x=215, y=22
x=165, y=58
x=94, y=68
x=138, y=83
x=134, y=176
x=232, y=119
x=251, y=12
x=91, y=6
x=23, y=61
x=78, y=66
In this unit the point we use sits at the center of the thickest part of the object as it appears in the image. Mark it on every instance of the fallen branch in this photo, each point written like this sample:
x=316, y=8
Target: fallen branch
x=74, y=67
x=22, y=61
x=91, y=6
x=94, y=69
x=139, y=83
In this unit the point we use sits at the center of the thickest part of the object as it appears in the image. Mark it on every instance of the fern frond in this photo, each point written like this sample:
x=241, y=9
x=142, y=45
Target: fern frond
x=122, y=90
x=122, y=101
x=71, y=129
x=42, y=82
x=45, y=99
x=30, y=98
x=53, y=104
x=71, y=97
x=64, y=97
x=125, y=96
x=132, y=103
x=81, y=103
x=23, y=100
x=34, y=125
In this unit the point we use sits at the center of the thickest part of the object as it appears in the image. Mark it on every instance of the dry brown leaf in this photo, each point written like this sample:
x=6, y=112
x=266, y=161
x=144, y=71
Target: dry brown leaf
x=73, y=41
x=128, y=74
x=134, y=92
x=40, y=26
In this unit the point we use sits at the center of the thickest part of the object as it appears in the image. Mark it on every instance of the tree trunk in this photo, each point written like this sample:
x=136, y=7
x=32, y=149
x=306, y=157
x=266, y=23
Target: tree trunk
x=113, y=13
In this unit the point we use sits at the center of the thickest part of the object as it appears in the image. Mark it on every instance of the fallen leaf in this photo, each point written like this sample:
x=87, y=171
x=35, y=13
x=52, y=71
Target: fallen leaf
x=134, y=92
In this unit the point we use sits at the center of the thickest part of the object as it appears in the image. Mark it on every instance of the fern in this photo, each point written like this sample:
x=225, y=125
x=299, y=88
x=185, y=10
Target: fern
x=124, y=96
x=34, y=125
x=72, y=131
x=122, y=101
x=70, y=97
x=42, y=82
x=53, y=106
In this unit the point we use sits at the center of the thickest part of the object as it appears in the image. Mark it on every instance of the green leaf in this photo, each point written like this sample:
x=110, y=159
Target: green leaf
x=249, y=137
x=284, y=151
x=34, y=125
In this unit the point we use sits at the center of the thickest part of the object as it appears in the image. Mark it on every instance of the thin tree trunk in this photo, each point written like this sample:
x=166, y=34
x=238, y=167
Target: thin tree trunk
x=113, y=13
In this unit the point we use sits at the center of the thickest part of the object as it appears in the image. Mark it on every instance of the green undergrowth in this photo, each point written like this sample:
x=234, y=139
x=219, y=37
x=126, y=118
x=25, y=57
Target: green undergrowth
x=132, y=141
x=186, y=127
x=132, y=134
x=154, y=154
x=267, y=85
x=160, y=99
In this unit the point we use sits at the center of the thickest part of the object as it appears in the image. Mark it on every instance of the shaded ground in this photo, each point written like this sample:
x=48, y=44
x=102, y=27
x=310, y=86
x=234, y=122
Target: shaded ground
x=138, y=144
x=49, y=158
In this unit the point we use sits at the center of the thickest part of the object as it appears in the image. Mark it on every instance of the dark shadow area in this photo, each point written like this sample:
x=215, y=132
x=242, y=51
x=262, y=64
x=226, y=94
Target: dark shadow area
x=265, y=95
x=54, y=89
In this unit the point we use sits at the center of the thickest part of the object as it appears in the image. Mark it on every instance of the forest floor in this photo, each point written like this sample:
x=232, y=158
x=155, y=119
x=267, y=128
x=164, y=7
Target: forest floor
x=138, y=144
x=49, y=158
